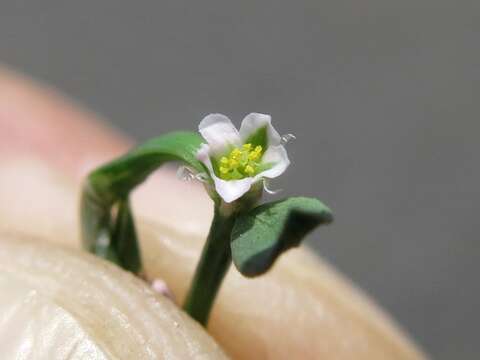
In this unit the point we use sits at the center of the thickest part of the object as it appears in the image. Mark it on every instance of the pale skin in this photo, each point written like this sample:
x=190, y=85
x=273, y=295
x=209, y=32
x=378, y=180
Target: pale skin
x=300, y=309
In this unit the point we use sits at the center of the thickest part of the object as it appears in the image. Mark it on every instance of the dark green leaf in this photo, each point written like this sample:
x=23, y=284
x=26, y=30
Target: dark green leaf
x=262, y=234
x=117, y=178
x=124, y=239
x=113, y=237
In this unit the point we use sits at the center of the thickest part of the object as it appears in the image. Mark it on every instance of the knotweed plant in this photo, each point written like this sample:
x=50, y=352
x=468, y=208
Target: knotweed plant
x=234, y=167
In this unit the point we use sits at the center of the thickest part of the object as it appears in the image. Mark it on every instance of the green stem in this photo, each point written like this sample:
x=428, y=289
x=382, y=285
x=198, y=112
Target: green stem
x=214, y=263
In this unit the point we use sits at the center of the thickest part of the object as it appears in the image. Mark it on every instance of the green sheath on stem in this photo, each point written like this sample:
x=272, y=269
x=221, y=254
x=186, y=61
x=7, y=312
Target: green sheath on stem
x=214, y=263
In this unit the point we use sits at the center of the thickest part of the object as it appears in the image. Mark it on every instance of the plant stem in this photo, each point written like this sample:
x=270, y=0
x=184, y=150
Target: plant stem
x=214, y=263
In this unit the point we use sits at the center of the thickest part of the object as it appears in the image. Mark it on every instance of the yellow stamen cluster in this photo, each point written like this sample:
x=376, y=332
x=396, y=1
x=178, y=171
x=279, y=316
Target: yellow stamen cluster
x=240, y=162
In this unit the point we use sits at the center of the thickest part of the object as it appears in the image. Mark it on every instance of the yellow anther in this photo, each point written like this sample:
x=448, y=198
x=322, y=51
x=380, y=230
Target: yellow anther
x=235, y=153
x=249, y=169
x=253, y=156
x=233, y=163
x=240, y=162
x=224, y=160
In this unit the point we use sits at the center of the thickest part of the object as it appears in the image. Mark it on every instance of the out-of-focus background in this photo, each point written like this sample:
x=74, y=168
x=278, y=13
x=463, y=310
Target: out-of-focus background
x=383, y=97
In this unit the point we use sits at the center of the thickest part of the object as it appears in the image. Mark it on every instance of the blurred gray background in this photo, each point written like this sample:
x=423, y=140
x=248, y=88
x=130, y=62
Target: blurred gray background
x=382, y=95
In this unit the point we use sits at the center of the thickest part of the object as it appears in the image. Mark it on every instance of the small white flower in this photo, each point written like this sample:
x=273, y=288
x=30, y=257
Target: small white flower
x=238, y=159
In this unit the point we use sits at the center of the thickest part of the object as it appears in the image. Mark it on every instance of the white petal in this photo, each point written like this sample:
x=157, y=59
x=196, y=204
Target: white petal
x=219, y=132
x=228, y=190
x=203, y=154
x=254, y=121
x=278, y=156
x=233, y=189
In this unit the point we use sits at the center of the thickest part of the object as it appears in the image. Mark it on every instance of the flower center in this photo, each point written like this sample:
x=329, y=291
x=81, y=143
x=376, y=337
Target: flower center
x=241, y=162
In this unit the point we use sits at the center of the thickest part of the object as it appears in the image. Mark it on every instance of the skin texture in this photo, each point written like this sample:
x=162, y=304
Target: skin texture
x=64, y=304
x=301, y=309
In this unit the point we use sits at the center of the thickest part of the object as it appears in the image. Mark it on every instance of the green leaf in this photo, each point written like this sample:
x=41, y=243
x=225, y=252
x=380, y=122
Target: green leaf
x=124, y=239
x=113, y=237
x=262, y=234
x=117, y=178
